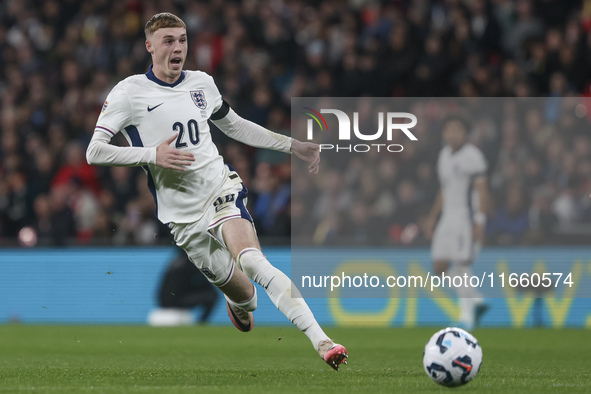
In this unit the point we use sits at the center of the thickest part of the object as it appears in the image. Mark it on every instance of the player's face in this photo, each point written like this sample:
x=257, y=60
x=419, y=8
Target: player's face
x=454, y=134
x=168, y=47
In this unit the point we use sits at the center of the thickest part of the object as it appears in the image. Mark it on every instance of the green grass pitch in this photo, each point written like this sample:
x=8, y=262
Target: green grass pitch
x=137, y=359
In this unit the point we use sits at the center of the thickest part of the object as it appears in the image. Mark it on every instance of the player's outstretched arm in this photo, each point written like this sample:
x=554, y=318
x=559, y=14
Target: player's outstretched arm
x=251, y=133
x=309, y=152
x=433, y=215
x=479, y=217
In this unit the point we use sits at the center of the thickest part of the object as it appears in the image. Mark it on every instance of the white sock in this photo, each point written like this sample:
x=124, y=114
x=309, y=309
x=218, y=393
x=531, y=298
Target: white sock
x=282, y=293
x=466, y=312
x=468, y=296
x=465, y=291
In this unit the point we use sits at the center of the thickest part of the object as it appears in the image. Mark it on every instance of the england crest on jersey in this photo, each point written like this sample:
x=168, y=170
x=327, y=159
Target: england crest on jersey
x=199, y=98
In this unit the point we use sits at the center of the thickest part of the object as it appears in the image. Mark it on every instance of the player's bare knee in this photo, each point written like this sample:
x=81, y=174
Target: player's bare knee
x=238, y=235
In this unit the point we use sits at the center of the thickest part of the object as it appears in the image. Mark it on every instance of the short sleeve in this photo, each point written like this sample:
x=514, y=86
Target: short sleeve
x=116, y=112
x=220, y=107
x=477, y=164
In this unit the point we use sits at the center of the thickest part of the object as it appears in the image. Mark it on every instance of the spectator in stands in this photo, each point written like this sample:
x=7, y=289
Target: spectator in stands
x=510, y=221
x=57, y=61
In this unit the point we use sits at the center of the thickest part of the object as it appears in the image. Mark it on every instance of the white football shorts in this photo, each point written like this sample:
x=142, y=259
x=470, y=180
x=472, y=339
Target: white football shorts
x=453, y=241
x=202, y=241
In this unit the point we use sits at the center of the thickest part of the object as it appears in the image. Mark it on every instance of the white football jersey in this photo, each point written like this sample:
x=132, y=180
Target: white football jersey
x=456, y=171
x=148, y=111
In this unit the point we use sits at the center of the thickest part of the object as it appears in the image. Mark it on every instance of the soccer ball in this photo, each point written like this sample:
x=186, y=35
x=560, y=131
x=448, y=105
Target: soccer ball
x=452, y=357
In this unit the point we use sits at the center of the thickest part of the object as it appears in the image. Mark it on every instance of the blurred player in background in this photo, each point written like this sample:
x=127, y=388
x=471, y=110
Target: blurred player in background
x=183, y=288
x=461, y=201
x=201, y=199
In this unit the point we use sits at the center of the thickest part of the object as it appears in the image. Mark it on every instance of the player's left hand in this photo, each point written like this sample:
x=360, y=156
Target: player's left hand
x=309, y=152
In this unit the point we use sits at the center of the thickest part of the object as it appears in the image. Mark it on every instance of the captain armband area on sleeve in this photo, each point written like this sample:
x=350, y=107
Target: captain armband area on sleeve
x=222, y=112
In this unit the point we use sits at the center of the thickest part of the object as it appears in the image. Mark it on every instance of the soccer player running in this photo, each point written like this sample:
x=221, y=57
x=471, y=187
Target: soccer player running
x=164, y=116
x=461, y=201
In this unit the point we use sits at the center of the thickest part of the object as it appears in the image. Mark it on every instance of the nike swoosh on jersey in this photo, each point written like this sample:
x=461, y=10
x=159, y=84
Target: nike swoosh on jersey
x=153, y=108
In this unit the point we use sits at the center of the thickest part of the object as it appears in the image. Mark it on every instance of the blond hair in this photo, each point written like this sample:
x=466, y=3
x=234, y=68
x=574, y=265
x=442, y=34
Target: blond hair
x=162, y=20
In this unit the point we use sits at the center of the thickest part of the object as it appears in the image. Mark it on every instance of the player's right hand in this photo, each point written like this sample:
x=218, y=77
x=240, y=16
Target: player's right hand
x=429, y=227
x=309, y=152
x=169, y=157
x=478, y=232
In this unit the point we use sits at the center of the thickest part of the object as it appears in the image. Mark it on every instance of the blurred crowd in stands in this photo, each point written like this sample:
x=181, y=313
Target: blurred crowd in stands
x=59, y=59
x=538, y=152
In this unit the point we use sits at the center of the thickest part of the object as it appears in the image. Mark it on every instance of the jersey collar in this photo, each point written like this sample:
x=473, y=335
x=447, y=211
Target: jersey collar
x=153, y=78
x=459, y=149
